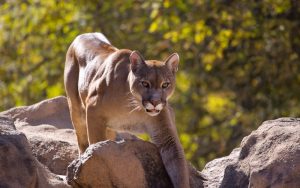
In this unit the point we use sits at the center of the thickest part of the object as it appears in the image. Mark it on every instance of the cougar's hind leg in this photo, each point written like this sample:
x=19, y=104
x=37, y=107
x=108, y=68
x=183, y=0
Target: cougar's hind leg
x=78, y=120
x=77, y=112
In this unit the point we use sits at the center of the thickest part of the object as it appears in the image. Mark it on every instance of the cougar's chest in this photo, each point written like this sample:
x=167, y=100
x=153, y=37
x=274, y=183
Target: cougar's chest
x=129, y=122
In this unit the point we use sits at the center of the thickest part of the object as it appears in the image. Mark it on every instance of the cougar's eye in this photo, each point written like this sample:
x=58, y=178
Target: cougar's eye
x=145, y=84
x=165, y=85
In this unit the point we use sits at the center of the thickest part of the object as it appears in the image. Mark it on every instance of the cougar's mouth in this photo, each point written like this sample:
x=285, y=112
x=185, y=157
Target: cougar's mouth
x=153, y=111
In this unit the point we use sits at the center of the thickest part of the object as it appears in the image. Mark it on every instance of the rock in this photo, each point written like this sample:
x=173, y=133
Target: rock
x=16, y=162
x=118, y=164
x=130, y=163
x=214, y=170
x=53, y=112
x=268, y=157
x=48, y=127
x=55, y=153
x=18, y=166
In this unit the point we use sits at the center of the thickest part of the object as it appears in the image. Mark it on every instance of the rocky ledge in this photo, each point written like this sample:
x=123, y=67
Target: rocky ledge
x=268, y=157
x=38, y=149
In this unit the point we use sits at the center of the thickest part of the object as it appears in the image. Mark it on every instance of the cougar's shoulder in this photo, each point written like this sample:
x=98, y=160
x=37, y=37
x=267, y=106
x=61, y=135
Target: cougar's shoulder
x=89, y=45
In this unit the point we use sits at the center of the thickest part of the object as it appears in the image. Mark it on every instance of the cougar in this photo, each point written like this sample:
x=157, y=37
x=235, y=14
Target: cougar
x=118, y=89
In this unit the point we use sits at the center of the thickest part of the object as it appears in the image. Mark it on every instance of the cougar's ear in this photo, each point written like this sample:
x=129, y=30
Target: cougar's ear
x=172, y=62
x=136, y=60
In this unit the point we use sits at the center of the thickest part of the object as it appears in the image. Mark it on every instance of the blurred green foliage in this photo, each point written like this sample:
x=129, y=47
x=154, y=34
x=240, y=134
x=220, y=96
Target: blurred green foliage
x=239, y=59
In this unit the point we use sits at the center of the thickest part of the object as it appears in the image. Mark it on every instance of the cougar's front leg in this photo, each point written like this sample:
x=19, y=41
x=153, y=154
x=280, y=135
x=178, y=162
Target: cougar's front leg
x=164, y=136
x=96, y=124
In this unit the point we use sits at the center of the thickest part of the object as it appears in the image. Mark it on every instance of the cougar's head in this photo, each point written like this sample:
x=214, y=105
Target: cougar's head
x=152, y=82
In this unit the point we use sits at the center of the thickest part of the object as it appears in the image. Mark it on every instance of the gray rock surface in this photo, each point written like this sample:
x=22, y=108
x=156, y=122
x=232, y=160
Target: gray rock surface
x=116, y=163
x=18, y=166
x=54, y=112
x=268, y=157
x=54, y=152
x=48, y=127
x=129, y=163
x=214, y=170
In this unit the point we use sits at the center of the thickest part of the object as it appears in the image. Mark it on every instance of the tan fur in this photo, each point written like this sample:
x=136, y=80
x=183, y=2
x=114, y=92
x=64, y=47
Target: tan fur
x=105, y=89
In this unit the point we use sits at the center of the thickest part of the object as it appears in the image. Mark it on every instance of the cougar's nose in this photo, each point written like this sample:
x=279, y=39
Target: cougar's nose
x=155, y=102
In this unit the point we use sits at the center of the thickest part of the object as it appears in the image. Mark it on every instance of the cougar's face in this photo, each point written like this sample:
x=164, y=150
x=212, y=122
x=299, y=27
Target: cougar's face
x=152, y=82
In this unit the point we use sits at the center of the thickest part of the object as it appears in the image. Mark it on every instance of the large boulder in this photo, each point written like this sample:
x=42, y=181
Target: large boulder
x=54, y=112
x=268, y=157
x=18, y=166
x=55, y=148
x=127, y=163
x=48, y=127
